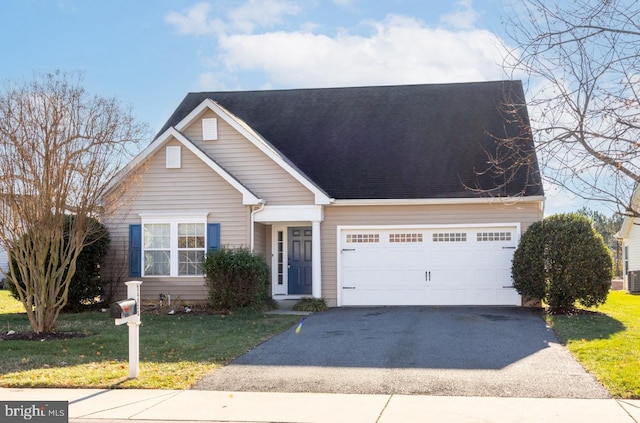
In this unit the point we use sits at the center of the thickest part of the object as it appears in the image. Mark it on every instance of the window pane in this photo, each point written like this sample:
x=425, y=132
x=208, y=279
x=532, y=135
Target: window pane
x=157, y=235
x=191, y=235
x=190, y=262
x=156, y=263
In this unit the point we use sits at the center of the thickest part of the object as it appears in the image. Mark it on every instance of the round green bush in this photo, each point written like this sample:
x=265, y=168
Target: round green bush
x=236, y=279
x=563, y=259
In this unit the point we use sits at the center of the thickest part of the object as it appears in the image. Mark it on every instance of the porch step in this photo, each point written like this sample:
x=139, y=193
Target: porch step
x=286, y=307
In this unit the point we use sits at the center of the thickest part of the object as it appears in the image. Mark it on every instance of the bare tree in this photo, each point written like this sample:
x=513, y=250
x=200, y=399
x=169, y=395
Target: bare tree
x=59, y=147
x=581, y=59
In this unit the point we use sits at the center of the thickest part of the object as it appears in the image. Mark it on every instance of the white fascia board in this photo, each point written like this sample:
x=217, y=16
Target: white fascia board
x=248, y=198
x=239, y=125
x=439, y=201
x=311, y=213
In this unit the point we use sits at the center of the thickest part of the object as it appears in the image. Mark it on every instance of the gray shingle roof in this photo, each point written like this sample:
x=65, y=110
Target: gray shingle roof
x=390, y=142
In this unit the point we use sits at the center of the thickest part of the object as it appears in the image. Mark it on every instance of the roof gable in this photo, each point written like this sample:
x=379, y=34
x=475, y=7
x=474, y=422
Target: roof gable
x=248, y=197
x=629, y=221
x=393, y=142
x=256, y=139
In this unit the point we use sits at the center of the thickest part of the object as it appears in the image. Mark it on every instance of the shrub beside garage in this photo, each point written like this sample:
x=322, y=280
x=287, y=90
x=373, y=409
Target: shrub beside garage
x=562, y=260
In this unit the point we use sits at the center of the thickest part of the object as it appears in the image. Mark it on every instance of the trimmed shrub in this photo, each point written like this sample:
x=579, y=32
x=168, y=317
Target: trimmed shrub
x=311, y=304
x=236, y=279
x=563, y=259
x=85, y=288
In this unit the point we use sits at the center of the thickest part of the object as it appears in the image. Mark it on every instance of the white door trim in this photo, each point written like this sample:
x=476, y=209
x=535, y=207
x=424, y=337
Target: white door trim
x=280, y=291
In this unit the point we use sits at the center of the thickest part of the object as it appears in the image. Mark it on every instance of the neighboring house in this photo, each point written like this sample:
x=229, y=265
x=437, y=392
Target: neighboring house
x=630, y=235
x=361, y=196
x=4, y=265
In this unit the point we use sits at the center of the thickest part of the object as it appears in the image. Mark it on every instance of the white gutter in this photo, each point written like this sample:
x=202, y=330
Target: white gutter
x=251, y=229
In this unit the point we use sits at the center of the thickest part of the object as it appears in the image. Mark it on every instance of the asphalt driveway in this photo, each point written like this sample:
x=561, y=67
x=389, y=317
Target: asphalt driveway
x=465, y=351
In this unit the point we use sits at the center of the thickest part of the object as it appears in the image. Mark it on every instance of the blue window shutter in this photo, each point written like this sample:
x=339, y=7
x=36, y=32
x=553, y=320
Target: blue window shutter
x=135, y=250
x=213, y=236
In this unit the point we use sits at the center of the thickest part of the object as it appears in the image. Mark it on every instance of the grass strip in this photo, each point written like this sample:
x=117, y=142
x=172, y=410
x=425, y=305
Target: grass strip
x=606, y=341
x=175, y=350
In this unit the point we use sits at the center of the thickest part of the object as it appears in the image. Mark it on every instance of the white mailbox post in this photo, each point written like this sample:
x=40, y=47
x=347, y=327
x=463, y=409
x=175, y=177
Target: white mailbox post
x=133, y=321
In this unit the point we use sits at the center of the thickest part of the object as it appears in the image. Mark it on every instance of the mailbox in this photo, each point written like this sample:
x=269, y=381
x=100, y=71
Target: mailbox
x=123, y=309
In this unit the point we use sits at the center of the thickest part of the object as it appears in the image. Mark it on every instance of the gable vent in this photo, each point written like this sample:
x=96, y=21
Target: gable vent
x=209, y=129
x=173, y=159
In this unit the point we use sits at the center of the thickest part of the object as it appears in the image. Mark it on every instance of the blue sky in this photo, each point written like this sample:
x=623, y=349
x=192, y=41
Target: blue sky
x=149, y=54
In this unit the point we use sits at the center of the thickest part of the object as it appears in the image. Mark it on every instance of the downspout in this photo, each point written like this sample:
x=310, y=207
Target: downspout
x=251, y=228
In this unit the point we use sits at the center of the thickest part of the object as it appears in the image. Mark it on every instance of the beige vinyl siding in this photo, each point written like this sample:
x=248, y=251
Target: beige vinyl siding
x=249, y=165
x=523, y=213
x=193, y=188
x=259, y=239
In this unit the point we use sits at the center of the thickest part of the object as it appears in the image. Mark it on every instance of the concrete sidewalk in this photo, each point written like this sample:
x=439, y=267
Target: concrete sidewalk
x=148, y=406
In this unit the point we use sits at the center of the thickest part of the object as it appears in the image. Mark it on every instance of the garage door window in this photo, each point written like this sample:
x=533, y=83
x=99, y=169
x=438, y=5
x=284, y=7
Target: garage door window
x=494, y=236
x=363, y=238
x=450, y=237
x=405, y=237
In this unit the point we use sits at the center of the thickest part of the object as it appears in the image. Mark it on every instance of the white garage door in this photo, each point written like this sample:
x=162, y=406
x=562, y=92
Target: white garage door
x=427, y=266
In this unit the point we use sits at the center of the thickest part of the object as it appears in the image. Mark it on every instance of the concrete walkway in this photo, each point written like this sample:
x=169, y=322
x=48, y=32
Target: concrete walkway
x=153, y=406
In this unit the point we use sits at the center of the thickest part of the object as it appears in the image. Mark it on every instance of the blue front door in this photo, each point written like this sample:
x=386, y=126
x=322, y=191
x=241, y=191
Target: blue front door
x=299, y=261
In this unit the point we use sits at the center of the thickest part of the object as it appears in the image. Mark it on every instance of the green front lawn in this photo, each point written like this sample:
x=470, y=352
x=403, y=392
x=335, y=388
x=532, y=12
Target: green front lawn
x=607, y=344
x=178, y=350
x=175, y=351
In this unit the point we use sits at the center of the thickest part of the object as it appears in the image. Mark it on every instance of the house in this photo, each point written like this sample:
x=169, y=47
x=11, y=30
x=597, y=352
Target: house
x=630, y=235
x=362, y=196
x=4, y=265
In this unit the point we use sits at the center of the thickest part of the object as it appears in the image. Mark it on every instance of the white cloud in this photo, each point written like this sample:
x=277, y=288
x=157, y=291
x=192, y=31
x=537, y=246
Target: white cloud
x=398, y=50
x=251, y=51
x=464, y=17
x=245, y=19
x=261, y=13
x=194, y=21
x=211, y=81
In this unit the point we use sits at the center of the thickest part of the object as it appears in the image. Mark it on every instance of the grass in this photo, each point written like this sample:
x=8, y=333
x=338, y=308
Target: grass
x=607, y=343
x=178, y=350
x=175, y=351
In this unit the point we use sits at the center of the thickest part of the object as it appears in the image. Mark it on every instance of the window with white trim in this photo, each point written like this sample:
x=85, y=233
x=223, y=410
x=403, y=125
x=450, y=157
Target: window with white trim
x=191, y=248
x=173, y=248
x=157, y=249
